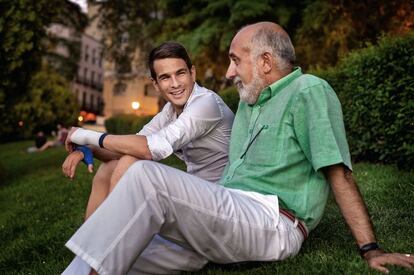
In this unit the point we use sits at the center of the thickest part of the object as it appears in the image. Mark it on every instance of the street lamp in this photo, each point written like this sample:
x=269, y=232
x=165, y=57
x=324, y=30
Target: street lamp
x=135, y=105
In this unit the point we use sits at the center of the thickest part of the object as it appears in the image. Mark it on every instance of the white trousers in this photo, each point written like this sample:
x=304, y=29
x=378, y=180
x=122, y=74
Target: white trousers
x=202, y=221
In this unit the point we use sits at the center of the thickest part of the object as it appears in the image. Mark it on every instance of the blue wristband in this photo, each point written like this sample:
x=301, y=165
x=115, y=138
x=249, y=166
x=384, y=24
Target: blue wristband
x=101, y=139
x=87, y=154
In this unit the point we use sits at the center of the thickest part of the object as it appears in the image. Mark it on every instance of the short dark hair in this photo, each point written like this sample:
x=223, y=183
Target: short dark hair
x=168, y=49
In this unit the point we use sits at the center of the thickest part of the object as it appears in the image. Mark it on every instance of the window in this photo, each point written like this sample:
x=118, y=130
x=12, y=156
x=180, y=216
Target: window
x=84, y=99
x=98, y=104
x=93, y=77
x=86, y=53
x=91, y=102
x=93, y=56
x=149, y=90
x=119, y=88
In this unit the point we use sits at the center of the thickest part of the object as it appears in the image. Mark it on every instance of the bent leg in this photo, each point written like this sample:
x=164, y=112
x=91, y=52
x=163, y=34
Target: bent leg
x=123, y=164
x=162, y=256
x=223, y=225
x=100, y=186
x=48, y=144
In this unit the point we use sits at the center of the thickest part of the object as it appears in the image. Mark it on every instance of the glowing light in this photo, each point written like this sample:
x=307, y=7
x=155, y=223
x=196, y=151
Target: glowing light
x=80, y=118
x=135, y=105
x=21, y=123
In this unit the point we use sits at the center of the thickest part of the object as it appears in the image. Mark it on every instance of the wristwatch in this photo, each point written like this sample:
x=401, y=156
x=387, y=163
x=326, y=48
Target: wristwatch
x=368, y=247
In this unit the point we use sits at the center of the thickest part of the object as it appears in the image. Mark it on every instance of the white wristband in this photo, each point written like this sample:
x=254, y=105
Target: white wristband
x=85, y=137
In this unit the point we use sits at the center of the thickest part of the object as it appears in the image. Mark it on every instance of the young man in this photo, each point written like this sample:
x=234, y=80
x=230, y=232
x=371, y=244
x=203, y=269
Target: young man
x=287, y=149
x=195, y=125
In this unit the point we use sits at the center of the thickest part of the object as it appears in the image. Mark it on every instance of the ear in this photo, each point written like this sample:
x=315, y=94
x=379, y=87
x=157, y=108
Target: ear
x=155, y=84
x=267, y=62
x=193, y=73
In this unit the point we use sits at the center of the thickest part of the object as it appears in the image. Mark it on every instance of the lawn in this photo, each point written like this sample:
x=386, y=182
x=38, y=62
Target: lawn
x=41, y=209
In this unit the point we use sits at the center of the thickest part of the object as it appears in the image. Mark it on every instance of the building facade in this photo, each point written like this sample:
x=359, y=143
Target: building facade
x=88, y=83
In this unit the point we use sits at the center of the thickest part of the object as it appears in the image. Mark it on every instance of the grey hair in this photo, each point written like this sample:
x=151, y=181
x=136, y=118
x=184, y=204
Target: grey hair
x=277, y=43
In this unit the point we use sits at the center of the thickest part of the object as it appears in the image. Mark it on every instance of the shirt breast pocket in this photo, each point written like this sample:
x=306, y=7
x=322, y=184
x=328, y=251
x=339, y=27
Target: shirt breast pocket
x=266, y=146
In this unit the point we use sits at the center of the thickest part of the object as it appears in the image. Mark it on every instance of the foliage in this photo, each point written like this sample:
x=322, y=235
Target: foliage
x=48, y=103
x=40, y=210
x=231, y=97
x=126, y=124
x=376, y=88
x=2, y=173
x=331, y=29
x=204, y=27
x=69, y=16
x=22, y=35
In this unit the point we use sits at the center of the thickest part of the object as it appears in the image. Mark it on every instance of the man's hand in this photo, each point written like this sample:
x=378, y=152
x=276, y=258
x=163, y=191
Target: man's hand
x=353, y=209
x=377, y=259
x=87, y=156
x=71, y=162
x=69, y=145
x=80, y=136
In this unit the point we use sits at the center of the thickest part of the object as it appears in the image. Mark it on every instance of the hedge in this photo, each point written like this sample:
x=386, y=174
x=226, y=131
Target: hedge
x=2, y=172
x=231, y=97
x=376, y=88
x=126, y=124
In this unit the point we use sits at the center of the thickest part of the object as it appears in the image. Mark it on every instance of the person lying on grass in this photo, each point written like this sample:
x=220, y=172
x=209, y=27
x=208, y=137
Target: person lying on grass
x=288, y=149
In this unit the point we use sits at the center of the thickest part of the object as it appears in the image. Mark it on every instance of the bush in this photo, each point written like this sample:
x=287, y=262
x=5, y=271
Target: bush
x=231, y=97
x=126, y=124
x=376, y=88
x=2, y=173
x=47, y=103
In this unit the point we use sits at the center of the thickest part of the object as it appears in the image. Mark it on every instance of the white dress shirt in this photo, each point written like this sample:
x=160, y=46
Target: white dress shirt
x=199, y=136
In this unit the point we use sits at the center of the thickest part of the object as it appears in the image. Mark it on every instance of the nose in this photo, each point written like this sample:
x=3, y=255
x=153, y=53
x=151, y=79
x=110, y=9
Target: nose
x=231, y=71
x=174, y=82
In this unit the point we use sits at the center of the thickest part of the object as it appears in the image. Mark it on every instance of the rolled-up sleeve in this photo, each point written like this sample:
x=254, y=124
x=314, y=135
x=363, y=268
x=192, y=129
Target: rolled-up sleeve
x=198, y=119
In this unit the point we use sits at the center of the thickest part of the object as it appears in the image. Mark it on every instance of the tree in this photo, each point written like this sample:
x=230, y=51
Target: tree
x=204, y=27
x=22, y=34
x=331, y=29
x=48, y=103
x=71, y=17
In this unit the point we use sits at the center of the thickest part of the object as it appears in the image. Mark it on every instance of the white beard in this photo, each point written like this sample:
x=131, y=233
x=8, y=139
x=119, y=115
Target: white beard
x=249, y=93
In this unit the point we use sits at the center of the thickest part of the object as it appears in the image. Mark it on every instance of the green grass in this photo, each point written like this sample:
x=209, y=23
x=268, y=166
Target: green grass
x=41, y=209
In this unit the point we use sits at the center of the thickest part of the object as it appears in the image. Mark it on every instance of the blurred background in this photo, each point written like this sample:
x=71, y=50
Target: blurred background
x=84, y=62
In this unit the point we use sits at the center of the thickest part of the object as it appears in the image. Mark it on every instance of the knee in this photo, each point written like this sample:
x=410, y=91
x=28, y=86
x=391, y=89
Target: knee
x=122, y=166
x=147, y=171
x=104, y=173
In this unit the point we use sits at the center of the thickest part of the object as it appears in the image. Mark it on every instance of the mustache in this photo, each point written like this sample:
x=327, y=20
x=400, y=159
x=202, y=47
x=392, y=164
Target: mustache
x=237, y=81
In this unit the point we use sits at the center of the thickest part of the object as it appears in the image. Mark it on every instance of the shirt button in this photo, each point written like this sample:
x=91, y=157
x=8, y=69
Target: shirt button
x=250, y=131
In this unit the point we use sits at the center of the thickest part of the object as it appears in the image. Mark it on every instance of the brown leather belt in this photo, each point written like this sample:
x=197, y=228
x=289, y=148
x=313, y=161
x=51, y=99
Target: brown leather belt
x=292, y=217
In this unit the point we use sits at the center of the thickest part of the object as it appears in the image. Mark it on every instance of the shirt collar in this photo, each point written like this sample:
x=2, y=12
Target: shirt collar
x=274, y=88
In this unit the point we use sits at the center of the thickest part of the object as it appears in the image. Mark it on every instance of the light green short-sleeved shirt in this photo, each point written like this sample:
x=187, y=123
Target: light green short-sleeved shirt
x=279, y=144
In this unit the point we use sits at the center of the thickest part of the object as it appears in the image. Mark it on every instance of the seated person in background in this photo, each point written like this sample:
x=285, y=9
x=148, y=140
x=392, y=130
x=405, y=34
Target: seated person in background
x=195, y=124
x=59, y=140
x=39, y=141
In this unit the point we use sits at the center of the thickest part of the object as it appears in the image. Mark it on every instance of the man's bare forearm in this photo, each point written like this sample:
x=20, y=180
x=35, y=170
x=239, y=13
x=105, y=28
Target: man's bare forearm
x=133, y=145
x=103, y=154
x=350, y=202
